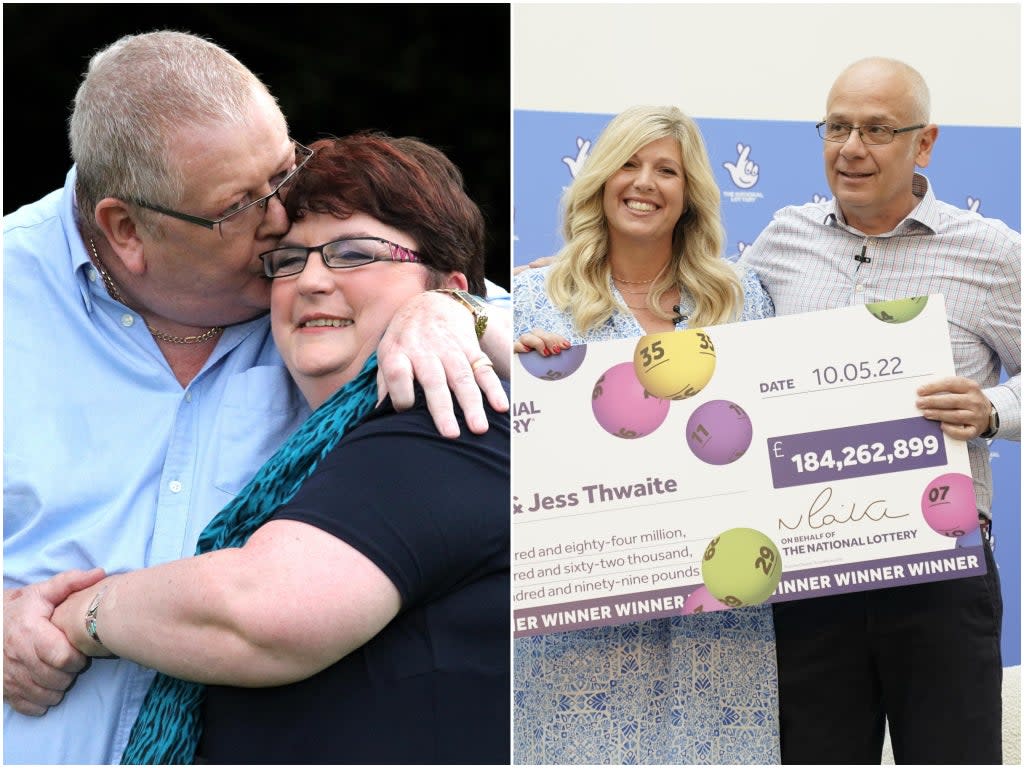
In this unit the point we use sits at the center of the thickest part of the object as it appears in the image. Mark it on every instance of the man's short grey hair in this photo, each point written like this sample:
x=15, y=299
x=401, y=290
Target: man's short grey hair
x=136, y=95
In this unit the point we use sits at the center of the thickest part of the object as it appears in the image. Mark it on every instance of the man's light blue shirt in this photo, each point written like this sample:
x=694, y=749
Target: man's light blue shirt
x=108, y=461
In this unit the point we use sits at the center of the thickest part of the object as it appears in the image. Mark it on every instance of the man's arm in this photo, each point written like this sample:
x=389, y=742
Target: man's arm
x=958, y=404
x=963, y=407
x=1006, y=399
x=432, y=339
x=543, y=261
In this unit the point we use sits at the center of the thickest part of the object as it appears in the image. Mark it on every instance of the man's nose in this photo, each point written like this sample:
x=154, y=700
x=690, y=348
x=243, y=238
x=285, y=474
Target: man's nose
x=854, y=144
x=275, y=218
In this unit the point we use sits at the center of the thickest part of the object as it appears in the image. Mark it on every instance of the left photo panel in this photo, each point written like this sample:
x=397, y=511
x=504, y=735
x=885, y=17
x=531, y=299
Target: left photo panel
x=256, y=401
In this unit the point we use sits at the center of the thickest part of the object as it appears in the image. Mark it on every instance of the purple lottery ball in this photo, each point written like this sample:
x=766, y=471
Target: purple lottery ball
x=702, y=601
x=621, y=405
x=554, y=367
x=719, y=432
x=948, y=505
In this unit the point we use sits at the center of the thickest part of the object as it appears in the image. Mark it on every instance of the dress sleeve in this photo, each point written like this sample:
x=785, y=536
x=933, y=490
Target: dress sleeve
x=757, y=304
x=531, y=305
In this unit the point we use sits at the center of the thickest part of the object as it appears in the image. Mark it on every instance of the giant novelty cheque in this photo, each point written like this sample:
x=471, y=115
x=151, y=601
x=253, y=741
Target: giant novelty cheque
x=732, y=465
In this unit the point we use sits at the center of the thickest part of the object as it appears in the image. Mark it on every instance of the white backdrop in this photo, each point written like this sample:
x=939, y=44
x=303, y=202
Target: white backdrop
x=764, y=60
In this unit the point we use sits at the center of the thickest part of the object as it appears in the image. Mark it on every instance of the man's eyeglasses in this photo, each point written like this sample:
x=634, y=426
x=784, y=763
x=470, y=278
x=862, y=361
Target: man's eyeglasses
x=869, y=134
x=241, y=215
x=345, y=253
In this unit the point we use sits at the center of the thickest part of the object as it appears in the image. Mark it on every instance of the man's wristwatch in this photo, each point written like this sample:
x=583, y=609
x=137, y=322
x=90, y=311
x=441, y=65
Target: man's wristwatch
x=473, y=304
x=993, y=424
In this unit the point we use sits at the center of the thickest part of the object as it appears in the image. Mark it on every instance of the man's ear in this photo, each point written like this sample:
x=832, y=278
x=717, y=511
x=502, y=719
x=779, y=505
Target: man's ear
x=456, y=280
x=120, y=228
x=925, y=143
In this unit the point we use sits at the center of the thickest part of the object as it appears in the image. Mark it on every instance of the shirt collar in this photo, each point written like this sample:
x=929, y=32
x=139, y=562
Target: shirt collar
x=78, y=248
x=924, y=214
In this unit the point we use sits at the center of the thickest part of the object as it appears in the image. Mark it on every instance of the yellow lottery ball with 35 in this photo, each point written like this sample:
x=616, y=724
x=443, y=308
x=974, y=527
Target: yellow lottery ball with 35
x=675, y=365
x=741, y=566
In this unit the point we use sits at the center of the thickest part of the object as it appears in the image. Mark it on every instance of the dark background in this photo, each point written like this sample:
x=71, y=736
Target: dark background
x=440, y=72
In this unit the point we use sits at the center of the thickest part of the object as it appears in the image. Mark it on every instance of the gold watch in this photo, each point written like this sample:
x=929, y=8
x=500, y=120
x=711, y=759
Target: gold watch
x=473, y=304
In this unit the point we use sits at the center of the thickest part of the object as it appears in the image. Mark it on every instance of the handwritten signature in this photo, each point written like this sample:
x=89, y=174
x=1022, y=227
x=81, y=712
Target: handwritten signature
x=819, y=515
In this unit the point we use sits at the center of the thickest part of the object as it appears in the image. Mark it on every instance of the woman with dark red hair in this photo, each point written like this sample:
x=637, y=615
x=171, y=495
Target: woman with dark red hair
x=351, y=604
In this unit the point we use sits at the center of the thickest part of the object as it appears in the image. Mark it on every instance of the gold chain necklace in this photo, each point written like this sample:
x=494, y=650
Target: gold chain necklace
x=641, y=282
x=624, y=292
x=641, y=307
x=115, y=294
x=636, y=282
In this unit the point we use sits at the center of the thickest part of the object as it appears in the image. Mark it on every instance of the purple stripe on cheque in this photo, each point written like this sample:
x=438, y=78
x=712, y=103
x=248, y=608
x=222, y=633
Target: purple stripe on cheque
x=857, y=451
x=875, y=574
x=807, y=583
x=601, y=611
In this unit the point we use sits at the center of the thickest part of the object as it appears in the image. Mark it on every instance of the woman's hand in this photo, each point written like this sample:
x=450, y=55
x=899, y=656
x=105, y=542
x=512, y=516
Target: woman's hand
x=541, y=341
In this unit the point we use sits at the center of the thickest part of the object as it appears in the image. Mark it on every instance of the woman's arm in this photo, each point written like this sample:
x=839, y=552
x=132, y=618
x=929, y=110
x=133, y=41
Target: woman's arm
x=292, y=601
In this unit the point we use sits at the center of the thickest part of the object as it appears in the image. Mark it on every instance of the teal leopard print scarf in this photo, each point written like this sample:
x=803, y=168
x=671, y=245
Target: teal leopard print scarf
x=168, y=726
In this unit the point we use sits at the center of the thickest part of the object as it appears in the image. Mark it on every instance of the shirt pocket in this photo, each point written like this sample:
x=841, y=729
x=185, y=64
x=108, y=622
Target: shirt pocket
x=260, y=408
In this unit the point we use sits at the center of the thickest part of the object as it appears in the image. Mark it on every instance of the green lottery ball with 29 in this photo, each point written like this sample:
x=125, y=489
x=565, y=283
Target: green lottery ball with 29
x=898, y=310
x=741, y=566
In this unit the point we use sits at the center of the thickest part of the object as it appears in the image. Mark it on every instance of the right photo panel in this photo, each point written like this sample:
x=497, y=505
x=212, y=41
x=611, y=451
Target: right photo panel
x=766, y=384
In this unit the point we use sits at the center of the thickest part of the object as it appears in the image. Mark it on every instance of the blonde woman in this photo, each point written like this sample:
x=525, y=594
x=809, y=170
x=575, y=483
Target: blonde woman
x=643, y=254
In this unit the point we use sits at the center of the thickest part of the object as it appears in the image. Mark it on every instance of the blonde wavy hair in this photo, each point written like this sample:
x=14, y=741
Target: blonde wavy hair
x=578, y=281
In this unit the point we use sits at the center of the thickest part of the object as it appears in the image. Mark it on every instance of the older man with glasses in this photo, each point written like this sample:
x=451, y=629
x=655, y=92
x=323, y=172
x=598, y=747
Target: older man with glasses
x=142, y=384
x=925, y=658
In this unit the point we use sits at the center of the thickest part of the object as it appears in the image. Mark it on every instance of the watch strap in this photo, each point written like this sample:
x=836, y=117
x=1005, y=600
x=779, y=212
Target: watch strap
x=993, y=423
x=473, y=304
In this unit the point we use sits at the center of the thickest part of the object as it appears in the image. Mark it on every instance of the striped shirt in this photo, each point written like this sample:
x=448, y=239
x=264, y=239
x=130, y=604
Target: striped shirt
x=805, y=259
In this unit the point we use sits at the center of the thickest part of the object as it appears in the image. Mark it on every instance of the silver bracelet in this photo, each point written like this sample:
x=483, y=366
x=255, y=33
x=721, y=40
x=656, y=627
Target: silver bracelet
x=91, y=616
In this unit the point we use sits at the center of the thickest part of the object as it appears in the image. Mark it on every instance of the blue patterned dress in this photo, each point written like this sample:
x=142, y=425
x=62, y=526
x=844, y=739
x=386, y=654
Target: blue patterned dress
x=699, y=689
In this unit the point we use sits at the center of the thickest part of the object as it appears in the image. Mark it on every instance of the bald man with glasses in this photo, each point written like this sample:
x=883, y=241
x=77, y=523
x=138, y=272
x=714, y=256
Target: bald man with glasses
x=924, y=658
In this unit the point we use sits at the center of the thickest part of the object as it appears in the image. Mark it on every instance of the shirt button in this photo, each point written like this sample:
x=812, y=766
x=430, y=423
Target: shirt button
x=92, y=274
x=127, y=321
x=188, y=397
x=174, y=486
x=860, y=289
